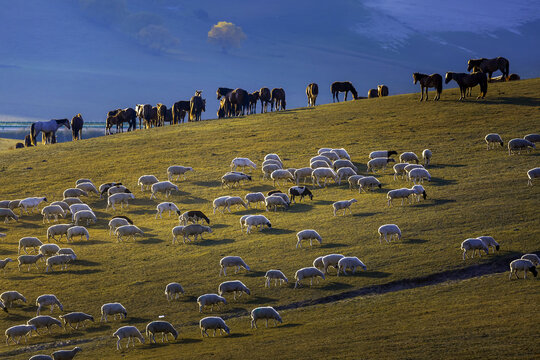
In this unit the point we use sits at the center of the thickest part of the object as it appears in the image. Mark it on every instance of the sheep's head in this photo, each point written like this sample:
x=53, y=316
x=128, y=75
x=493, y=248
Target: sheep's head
x=497, y=247
x=425, y=196
x=534, y=271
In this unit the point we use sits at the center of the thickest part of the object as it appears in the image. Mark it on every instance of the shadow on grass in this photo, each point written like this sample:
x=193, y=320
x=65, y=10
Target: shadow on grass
x=193, y=200
x=522, y=100
x=372, y=274
x=259, y=300
x=300, y=207
x=261, y=188
x=238, y=335
x=151, y=241
x=435, y=202
x=254, y=273
x=336, y=286
x=274, y=231
x=74, y=272
x=7, y=252
x=366, y=214
x=16, y=278
x=135, y=320
x=15, y=317
x=86, y=263
x=323, y=202
x=289, y=325
x=441, y=166
x=414, y=241
x=89, y=242
x=442, y=182
x=188, y=341
x=219, y=226
x=211, y=183
x=208, y=242
x=332, y=245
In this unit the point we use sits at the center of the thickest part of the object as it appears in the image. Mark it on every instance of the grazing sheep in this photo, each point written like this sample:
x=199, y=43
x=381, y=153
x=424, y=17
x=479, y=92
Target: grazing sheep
x=408, y=157
x=256, y=220
x=532, y=258
x=281, y=174
x=88, y=187
x=127, y=230
x=524, y=265
x=178, y=170
x=14, y=204
x=323, y=173
x=317, y=164
x=74, y=192
x=254, y=198
x=76, y=208
x=233, y=286
x=272, y=157
x=389, y=229
x=322, y=158
x=15, y=333
x=77, y=231
x=193, y=216
x=63, y=205
x=533, y=174
x=48, y=300
x=268, y=169
x=163, y=327
x=147, y=181
x=264, y=312
x=274, y=201
x=80, y=181
x=220, y=202
x=41, y=357
x=49, y=249
x=402, y=194
x=243, y=162
x=426, y=156
x=116, y=222
x=129, y=332
x=419, y=174
x=321, y=150
x=210, y=300
x=343, y=204
x=399, y=170
x=66, y=354
x=8, y=214
x=215, y=323
x=519, y=145
x=9, y=297
x=75, y=318
x=338, y=164
x=177, y=231
x=382, y=154
x=67, y=251
x=42, y=321
x=352, y=263
x=353, y=181
x=87, y=215
x=61, y=260
x=113, y=309
x=234, y=178
x=411, y=167
x=52, y=211
x=345, y=172
x=302, y=173
x=419, y=191
x=166, y=187
x=29, y=260
x=104, y=187
x=378, y=163
x=368, y=182
x=194, y=230
x=29, y=241
x=121, y=198
x=275, y=275
x=332, y=156
x=72, y=200
x=243, y=222
x=492, y=139
x=308, y=234
x=330, y=260
x=235, y=200
x=272, y=161
x=534, y=138
x=473, y=244
x=490, y=241
x=301, y=191
x=307, y=272
x=173, y=291
x=317, y=263
x=4, y=204
x=166, y=206
x=232, y=261
x=342, y=153
x=4, y=262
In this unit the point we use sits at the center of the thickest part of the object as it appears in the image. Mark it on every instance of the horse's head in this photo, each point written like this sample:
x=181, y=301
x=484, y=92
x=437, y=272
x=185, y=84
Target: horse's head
x=448, y=77
x=219, y=95
x=470, y=65
x=64, y=122
x=415, y=77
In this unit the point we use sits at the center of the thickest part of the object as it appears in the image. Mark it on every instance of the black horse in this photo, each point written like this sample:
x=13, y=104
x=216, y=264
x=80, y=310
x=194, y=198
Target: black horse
x=465, y=81
x=77, y=124
x=429, y=81
x=489, y=66
x=342, y=86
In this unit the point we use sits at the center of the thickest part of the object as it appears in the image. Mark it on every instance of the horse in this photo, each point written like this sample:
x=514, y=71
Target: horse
x=465, y=81
x=342, y=86
x=372, y=93
x=264, y=97
x=49, y=127
x=179, y=110
x=253, y=98
x=489, y=66
x=312, y=91
x=429, y=81
x=382, y=90
x=196, y=106
x=130, y=116
x=161, y=114
x=223, y=108
x=144, y=112
x=241, y=97
x=28, y=140
x=77, y=123
x=278, y=99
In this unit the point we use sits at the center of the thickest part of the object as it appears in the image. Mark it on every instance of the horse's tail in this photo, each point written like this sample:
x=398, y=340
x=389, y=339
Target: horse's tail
x=439, y=85
x=507, y=68
x=33, y=134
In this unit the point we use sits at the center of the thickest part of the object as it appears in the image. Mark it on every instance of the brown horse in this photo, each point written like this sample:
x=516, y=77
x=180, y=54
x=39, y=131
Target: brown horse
x=429, y=81
x=77, y=123
x=489, y=66
x=197, y=105
x=28, y=140
x=312, y=91
x=382, y=90
x=161, y=114
x=465, y=81
x=342, y=86
x=264, y=97
x=253, y=98
x=144, y=112
x=278, y=99
x=179, y=111
x=372, y=93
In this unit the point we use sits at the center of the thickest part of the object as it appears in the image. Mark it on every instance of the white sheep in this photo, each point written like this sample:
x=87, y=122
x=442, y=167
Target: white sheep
x=322, y=158
x=317, y=263
x=31, y=203
x=77, y=231
x=9, y=297
x=308, y=234
x=63, y=205
x=268, y=169
x=338, y=164
x=15, y=333
x=48, y=300
x=534, y=138
x=419, y=174
x=256, y=220
x=113, y=309
x=408, y=156
x=66, y=354
x=235, y=200
x=343, y=205
x=323, y=173
x=234, y=286
x=121, y=198
x=103, y=188
x=193, y=216
x=83, y=180
x=302, y=173
x=87, y=215
x=378, y=163
x=264, y=312
x=533, y=174
x=166, y=206
x=215, y=323
x=331, y=260
x=173, y=291
x=321, y=150
x=490, y=241
x=353, y=181
x=127, y=230
x=276, y=275
x=178, y=170
x=389, y=231
x=41, y=357
x=4, y=262
x=399, y=170
x=368, y=182
x=272, y=161
x=228, y=261
x=44, y=321
x=243, y=162
x=8, y=214
x=49, y=249
x=88, y=187
x=163, y=327
x=519, y=145
x=345, y=173
x=532, y=258
x=342, y=153
x=29, y=241
x=281, y=174
x=194, y=230
x=272, y=157
x=426, y=156
x=419, y=192
x=52, y=211
x=243, y=222
x=254, y=198
x=74, y=208
x=177, y=231
x=318, y=164
x=350, y=262
x=61, y=260
x=410, y=167
x=75, y=318
x=473, y=244
x=220, y=202
x=147, y=181
x=210, y=300
x=14, y=204
x=72, y=200
x=29, y=260
x=130, y=332
x=382, y=154
x=332, y=156
x=166, y=187
x=402, y=194
x=284, y=196
x=234, y=178
x=116, y=222
x=524, y=265
x=74, y=192
x=274, y=201
x=307, y=272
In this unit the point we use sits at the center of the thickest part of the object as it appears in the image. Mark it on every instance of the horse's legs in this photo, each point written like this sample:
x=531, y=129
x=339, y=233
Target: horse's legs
x=422, y=92
x=346, y=92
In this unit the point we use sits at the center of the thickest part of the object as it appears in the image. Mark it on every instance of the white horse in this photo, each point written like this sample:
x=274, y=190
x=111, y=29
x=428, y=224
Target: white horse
x=49, y=128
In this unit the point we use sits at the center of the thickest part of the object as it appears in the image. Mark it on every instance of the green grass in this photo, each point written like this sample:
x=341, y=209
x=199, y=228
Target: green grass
x=7, y=144
x=474, y=192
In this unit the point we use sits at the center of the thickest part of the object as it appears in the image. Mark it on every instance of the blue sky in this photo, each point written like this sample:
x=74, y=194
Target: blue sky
x=58, y=58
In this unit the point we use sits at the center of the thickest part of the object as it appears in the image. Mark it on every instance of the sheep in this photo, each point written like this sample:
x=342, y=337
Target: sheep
x=163, y=327
x=272, y=157
x=52, y=211
x=408, y=157
x=104, y=187
x=87, y=187
x=533, y=174
x=302, y=173
x=177, y=231
x=63, y=205
x=368, y=182
x=389, y=229
x=232, y=261
x=49, y=249
x=243, y=162
x=74, y=208
x=353, y=181
x=342, y=153
x=345, y=172
x=254, y=198
x=532, y=258
x=382, y=154
x=419, y=174
x=264, y=312
x=41, y=357
x=522, y=264
x=220, y=202
x=121, y=198
x=418, y=192
x=29, y=241
x=321, y=150
x=29, y=260
x=256, y=220
x=194, y=230
x=332, y=156
x=74, y=192
x=378, y=163
x=519, y=145
x=213, y=322
x=18, y=331
x=169, y=206
x=281, y=174
x=534, y=138
x=61, y=260
x=473, y=244
x=118, y=221
x=350, y=263
x=8, y=214
x=307, y=272
x=323, y=173
x=127, y=230
x=4, y=204
x=343, y=204
x=3, y=307
x=193, y=216
x=77, y=231
x=268, y=169
x=399, y=170
x=3, y=264
x=233, y=286
x=317, y=164
x=235, y=200
x=147, y=181
x=48, y=300
x=210, y=300
x=402, y=194
x=301, y=191
x=426, y=156
x=113, y=309
x=410, y=167
x=321, y=158
x=72, y=200
x=9, y=297
x=330, y=260
x=274, y=201
x=68, y=251
x=80, y=181
x=233, y=178
x=308, y=234
x=75, y=318
x=42, y=321
x=129, y=332
x=338, y=164
x=243, y=222
x=177, y=170
x=276, y=275
x=66, y=354
x=272, y=161
x=173, y=291
x=87, y=215
x=490, y=241
x=166, y=187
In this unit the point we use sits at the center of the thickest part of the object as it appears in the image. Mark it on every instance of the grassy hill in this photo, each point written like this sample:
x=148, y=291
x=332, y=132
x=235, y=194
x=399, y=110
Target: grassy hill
x=7, y=144
x=473, y=192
